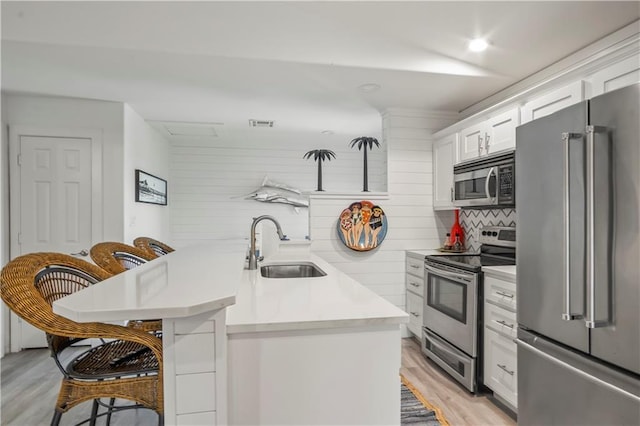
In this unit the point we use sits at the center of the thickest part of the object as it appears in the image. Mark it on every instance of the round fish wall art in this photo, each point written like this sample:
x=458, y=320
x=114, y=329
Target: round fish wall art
x=362, y=226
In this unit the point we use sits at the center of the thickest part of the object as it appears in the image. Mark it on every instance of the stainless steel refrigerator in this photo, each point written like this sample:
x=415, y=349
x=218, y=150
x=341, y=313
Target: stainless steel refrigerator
x=578, y=266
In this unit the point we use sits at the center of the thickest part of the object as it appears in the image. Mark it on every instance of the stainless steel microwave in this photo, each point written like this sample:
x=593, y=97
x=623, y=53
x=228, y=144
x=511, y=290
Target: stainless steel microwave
x=485, y=182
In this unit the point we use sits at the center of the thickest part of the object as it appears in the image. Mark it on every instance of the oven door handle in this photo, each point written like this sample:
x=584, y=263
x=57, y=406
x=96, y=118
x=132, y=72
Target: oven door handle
x=453, y=275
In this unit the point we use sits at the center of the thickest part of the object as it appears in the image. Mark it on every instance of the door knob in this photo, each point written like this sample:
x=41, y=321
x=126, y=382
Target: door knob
x=82, y=253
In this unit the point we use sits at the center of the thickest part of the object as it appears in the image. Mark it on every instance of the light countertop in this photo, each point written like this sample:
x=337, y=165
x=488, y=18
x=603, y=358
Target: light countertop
x=503, y=272
x=336, y=300
x=422, y=253
x=186, y=282
x=432, y=252
x=198, y=279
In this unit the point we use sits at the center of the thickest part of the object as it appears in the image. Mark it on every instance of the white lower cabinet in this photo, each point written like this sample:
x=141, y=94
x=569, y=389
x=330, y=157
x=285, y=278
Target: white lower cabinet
x=197, y=419
x=500, y=328
x=500, y=366
x=195, y=372
x=414, y=308
x=414, y=282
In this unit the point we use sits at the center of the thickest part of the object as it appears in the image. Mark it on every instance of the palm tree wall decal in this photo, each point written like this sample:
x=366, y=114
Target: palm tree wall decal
x=365, y=142
x=320, y=155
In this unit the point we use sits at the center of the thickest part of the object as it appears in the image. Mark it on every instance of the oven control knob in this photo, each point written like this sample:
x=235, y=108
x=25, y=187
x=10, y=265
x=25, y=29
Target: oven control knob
x=494, y=233
x=484, y=232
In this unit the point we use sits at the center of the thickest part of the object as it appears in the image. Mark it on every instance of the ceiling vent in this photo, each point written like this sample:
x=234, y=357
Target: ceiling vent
x=181, y=129
x=184, y=129
x=260, y=123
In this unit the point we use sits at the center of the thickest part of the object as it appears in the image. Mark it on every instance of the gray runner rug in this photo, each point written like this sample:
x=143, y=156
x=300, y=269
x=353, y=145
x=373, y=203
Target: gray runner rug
x=414, y=412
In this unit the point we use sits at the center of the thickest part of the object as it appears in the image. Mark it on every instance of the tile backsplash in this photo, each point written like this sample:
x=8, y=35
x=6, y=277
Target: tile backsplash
x=474, y=220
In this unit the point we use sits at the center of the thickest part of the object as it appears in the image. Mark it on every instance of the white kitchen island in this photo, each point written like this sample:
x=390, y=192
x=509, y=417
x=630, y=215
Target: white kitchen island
x=321, y=350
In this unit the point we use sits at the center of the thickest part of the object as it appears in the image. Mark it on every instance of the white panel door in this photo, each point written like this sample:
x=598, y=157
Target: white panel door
x=55, y=202
x=55, y=192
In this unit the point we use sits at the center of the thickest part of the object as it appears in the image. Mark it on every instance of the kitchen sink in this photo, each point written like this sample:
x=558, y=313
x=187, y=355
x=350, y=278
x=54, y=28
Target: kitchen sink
x=292, y=270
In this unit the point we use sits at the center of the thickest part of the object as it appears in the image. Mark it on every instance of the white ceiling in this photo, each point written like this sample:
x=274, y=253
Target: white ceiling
x=298, y=63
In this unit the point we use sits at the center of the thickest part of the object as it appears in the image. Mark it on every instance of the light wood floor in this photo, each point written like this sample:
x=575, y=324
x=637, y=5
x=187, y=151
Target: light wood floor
x=30, y=384
x=458, y=405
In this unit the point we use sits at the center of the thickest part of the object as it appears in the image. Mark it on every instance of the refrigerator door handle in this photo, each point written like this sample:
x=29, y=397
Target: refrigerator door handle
x=524, y=345
x=591, y=321
x=567, y=315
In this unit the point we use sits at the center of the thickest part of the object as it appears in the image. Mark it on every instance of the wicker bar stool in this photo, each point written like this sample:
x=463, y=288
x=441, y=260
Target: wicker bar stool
x=152, y=246
x=116, y=258
x=129, y=366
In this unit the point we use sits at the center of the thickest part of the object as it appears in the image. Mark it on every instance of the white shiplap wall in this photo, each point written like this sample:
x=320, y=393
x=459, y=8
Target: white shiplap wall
x=210, y=175
x=412, y=223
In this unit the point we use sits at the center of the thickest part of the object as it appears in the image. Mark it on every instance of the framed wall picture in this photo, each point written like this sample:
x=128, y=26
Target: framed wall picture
x=150, y=188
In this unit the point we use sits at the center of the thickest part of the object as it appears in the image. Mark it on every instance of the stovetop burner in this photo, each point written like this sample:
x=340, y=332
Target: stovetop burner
x=498, y=249
x=472, y=262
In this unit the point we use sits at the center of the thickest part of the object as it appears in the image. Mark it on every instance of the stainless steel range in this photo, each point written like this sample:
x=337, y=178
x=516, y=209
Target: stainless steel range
x=452, y=304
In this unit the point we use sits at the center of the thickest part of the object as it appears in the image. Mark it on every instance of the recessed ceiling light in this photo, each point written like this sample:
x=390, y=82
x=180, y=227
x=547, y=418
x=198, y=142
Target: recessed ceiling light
x=369, y=87
x=327, y=132
x=478, y=45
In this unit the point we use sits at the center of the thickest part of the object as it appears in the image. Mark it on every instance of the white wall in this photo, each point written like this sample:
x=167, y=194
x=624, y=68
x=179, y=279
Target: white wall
x=128, y=142
x=147, y=150
x=4, y=221
x=65, y=113
x=209, y=177
x=412, y=223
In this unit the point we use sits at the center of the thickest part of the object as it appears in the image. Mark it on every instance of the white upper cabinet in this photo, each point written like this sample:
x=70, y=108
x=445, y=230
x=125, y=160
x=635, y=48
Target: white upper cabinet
x=497, y=133
x=553, y=101
x=444, y=157
x=618, y=75
x=472, y=141
x=501, y=131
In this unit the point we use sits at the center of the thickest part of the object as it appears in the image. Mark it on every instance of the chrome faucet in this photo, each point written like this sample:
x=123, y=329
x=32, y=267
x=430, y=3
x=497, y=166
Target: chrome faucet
x=253, y=260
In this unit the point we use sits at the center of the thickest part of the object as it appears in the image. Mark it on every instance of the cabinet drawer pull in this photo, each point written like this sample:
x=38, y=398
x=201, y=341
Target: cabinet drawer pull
x=414, y=284
x=415, y=266
x=504, y=368
x=510, y=296
x=505, y=323
x=415, y=314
